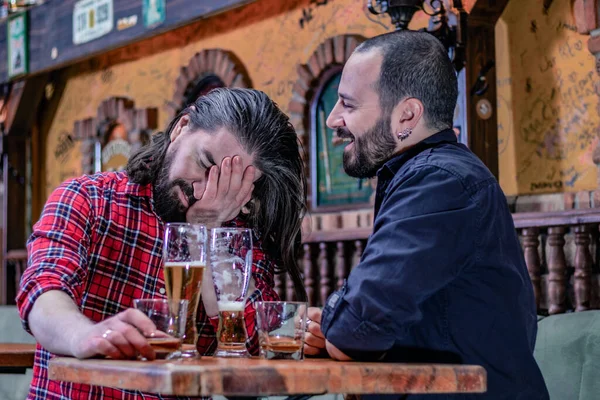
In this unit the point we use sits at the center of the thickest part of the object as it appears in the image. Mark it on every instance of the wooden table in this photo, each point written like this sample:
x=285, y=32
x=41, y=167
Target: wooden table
x=16, y=357
x=255, y=377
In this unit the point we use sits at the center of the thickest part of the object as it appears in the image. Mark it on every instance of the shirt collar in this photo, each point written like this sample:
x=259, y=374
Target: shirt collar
x=394, y=164
x=135, y=189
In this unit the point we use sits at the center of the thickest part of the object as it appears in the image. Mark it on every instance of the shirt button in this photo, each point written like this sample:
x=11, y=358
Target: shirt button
x=161, y=290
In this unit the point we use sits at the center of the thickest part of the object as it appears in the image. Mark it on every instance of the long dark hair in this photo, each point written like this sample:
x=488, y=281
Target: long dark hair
x=264, y=131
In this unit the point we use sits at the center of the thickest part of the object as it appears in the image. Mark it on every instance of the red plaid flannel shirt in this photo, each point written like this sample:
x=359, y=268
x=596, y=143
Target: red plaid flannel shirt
x=100, y=241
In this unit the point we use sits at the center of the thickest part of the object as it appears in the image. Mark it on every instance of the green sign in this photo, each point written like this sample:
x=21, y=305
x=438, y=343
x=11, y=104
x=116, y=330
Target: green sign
x=154, y=12
x=333, y=187
x=17, y=45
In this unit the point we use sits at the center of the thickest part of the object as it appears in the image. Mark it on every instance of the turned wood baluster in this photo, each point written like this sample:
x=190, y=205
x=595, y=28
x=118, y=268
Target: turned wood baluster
x=308, y=273
x=531, y=243
x=325, y=270
x=358, y=246
x=279, y=285
x=583, y=268
x=557, y=270
x=290, y=292
x=340, y=264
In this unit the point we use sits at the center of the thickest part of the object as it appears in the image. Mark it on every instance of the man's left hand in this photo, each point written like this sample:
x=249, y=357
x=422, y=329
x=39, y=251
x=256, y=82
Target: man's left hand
x=315, y=343
x=227, y=190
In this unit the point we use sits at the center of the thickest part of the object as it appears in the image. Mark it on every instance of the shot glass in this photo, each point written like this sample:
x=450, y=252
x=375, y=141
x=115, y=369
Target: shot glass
x=170, y=317
x=281, y=326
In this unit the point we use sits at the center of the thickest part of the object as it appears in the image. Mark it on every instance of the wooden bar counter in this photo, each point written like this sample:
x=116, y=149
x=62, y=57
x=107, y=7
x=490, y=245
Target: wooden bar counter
x=256, y=377
x=15, y=358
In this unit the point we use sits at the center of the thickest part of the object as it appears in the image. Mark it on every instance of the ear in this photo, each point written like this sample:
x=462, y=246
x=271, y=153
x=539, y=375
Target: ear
x=411, y=112
x=183, y=123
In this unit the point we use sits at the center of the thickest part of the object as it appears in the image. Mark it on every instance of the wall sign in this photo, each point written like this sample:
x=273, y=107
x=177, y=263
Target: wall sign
x=154, y=12
x=91, y=20
x=115, y=155
x=17, y=45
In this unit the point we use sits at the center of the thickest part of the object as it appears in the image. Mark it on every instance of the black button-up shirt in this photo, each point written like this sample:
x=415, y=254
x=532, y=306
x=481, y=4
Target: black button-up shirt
x=442, y=278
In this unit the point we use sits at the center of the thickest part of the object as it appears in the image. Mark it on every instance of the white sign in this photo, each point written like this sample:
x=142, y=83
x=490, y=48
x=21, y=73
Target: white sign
x=91, y=20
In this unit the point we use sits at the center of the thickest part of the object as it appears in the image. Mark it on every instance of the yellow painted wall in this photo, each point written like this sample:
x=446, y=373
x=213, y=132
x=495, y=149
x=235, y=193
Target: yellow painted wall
x=547, y=106
x=266, y=36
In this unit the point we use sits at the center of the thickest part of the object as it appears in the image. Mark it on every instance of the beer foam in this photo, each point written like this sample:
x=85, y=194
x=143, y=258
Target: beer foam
x=187, y=264
x=231, y=305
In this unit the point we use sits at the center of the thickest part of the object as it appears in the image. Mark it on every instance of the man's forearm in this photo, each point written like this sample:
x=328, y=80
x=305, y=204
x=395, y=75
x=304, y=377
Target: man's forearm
x=54, y=320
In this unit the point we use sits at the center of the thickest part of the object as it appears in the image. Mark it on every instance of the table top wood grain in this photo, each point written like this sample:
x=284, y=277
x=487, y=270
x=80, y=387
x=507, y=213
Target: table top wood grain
x=18, y=355
x=256, y=377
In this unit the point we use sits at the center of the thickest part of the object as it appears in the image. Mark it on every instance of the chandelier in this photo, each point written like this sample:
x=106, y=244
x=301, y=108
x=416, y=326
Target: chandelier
x=452, y=37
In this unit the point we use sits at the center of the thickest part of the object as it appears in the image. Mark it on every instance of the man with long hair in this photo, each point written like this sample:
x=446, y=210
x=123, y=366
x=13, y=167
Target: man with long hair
x=231, y=159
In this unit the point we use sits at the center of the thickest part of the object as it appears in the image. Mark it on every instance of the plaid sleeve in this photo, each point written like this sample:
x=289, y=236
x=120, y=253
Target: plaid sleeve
x=262, y=272
x=57, y=249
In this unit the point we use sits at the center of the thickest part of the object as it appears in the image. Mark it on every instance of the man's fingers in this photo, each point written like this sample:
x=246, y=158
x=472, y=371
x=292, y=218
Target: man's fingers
x=139, y=320
x=315, y=329
x=135, y=339
x=314, y=314
x=314, y=341
x=224, y=178
x=101, y=346
x=210, y=192
x=247, y=186
x=117, y=339
x=312, y=351
x=236, y=175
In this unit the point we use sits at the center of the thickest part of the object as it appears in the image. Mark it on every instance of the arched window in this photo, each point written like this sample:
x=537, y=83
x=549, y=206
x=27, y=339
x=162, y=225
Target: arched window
x=118, y=130
x=331, y=185
x=313, y=97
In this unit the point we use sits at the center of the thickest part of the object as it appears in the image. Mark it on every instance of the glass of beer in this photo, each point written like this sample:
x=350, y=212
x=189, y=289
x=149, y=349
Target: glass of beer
x=184, y=254
x=231, y=269
x=169, y=318
x=281, y=326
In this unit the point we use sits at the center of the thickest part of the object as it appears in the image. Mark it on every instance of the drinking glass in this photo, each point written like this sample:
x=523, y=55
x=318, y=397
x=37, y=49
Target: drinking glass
x=231, y=267
x=184, y=254
x=169, y=316
x=281, y=326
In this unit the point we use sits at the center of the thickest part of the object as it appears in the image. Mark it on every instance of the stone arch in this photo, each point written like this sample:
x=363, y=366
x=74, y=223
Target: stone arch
x=222, y=65
x=96, y=133
x=326, y=61
x=330, y=55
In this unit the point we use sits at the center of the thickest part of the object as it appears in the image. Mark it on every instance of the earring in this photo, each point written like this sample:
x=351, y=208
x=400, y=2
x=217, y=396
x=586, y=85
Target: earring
x=404, y=134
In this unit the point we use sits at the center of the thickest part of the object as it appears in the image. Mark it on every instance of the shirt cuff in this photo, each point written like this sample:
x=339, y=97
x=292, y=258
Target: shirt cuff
x=32, y=290
x=343, y=327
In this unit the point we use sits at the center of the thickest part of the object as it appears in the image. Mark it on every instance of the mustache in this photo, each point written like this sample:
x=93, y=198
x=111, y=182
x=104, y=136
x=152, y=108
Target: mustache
x=343, y=133
x=187, y=190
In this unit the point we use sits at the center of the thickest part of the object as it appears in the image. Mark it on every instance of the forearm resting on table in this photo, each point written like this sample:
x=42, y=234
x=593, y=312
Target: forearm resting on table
x=54, y=320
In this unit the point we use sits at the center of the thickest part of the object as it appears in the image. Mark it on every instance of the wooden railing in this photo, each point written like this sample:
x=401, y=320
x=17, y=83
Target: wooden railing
x=16, y=262
x=560, y=248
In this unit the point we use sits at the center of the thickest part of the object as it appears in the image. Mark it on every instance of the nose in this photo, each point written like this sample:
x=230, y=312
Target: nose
x=335, y=119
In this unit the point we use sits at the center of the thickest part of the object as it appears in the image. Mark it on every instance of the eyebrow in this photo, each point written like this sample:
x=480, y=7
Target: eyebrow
x=346, y=97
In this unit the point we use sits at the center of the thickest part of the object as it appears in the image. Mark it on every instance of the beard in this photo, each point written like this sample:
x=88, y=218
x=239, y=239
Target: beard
x=370, y=150
x=167, y=204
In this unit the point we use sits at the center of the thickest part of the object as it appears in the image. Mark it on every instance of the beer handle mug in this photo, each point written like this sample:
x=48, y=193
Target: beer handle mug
x=231, y=270
x=184, y=254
